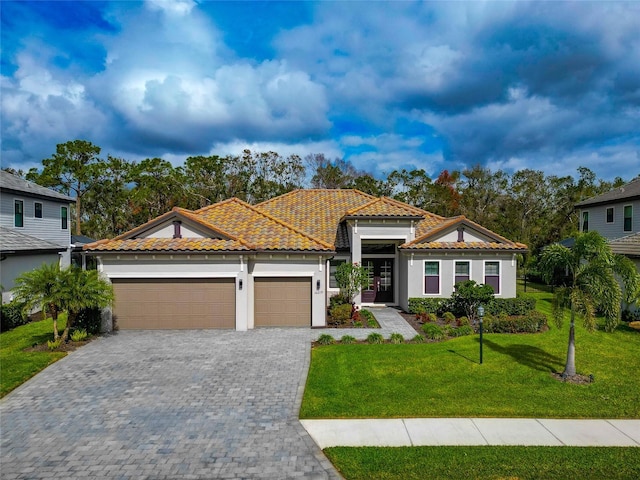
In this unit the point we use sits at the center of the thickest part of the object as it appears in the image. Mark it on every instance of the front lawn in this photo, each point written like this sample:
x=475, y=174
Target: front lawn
x=520, y=463
x=17, y=366
x=446, y=380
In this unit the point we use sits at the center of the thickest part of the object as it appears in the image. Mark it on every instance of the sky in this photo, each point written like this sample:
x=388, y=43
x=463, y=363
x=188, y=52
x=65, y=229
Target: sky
x=549, y=86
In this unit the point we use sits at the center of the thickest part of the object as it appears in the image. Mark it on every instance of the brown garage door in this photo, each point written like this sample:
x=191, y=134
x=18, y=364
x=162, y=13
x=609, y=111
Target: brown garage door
x=155, y=304
x=282, y=302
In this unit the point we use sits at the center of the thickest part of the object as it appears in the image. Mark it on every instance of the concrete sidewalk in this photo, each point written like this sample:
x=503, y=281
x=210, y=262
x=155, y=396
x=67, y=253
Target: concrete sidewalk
x=405, y=432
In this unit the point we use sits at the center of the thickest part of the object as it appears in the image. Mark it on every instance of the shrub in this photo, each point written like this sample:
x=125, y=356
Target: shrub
x=356, y=316
x=336, y=300
x=90, y=320
x=418, y=339
x=629, y=316
x=511, y=306
x=347, y=340
x=433, y=331
x=532, y=322
x=357, y=324
x=325, y=339
x=375, y=338
x=468, y=296
x=341, y=314
x=396, y=338
x=463, y=321
x=12, y=315
x=54, y=344
x=79, y=335
x=446, y=330
x=370, y=319
x=425, y=305
x=461, y=331
x=449, y=317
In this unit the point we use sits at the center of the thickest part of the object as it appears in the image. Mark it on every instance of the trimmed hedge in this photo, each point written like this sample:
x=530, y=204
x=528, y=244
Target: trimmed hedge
x=532, y=322
x=12, y=315
x=426, y=305
x=497, y=306
x=511, y=306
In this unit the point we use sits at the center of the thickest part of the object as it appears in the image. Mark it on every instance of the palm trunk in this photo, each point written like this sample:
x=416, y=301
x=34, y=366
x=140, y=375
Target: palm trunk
x=570, y=366
x=70, y=319
x=54, y=316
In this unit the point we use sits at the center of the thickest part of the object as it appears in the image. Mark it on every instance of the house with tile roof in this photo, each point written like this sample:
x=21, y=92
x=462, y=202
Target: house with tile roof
x=235, y=265
x=34, y=228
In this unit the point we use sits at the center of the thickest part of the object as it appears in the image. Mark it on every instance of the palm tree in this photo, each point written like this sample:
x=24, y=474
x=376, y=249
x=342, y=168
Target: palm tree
x=80, y=289
x=37, y=289
x=591, y=286
x=56, y=290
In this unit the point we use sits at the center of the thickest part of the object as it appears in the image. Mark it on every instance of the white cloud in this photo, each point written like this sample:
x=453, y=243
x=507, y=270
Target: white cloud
x=173, y=7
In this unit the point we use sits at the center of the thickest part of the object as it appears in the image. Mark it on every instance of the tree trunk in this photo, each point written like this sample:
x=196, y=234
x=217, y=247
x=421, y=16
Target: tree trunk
x=78, y=215
x=570, y=366
x=70, y=319
x=54, y=316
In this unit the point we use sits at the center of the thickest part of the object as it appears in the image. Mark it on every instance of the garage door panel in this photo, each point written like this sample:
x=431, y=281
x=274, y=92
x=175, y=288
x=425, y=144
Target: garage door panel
x=282, y=302
x=174, y=303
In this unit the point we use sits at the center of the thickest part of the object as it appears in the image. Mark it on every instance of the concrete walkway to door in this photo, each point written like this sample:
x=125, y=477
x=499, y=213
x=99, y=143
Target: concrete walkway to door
x=198, y=404
x=390, y=322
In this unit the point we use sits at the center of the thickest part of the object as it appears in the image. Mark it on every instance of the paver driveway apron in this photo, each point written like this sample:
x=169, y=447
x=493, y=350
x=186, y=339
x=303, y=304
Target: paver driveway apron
x=166, y=405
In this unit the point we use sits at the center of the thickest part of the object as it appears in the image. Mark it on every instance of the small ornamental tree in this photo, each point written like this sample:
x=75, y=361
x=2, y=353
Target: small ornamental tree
x=351, y=278
x=468, y=296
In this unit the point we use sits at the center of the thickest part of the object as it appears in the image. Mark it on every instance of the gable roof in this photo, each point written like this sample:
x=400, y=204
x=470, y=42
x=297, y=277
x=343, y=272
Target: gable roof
x=428, y=239
x=629, y=191
x=13, y=183
x=298, y=221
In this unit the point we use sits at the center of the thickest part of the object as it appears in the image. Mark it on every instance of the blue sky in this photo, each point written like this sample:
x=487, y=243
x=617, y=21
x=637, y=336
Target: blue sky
x=387, y=85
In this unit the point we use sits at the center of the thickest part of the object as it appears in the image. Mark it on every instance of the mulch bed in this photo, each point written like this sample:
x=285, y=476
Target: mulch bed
x=70, y=346
x=575, y=379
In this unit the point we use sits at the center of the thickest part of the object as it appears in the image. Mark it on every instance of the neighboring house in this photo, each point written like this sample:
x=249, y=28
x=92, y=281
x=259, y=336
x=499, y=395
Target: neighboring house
x=34, y=228
x=234, y=265
x=616, y=216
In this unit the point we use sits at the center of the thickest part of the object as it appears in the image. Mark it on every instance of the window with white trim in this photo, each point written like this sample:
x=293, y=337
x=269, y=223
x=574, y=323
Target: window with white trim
x=610, y=215
x=492, y=275
x=431, y=277
x=628, y=218
x=37, y=210
x=462, y=271
x=18, y=210
x=64, y=217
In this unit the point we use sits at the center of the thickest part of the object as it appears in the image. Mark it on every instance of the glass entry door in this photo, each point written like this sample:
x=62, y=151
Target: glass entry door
x=380, y=288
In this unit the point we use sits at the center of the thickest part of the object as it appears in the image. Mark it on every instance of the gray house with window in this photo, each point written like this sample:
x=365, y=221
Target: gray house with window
x=34, y=228
x=616, y=216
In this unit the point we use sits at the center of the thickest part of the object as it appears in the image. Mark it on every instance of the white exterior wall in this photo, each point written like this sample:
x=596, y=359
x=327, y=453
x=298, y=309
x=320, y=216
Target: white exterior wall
x=166, y=231
x=294, y=265
x=183, y=266
x=469, y=236
x=49, y=227
x=415, y=273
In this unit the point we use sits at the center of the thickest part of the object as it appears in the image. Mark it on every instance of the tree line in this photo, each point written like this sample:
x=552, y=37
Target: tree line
x=114, y=194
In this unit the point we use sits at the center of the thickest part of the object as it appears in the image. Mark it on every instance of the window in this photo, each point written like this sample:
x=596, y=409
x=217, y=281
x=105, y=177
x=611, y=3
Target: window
x=610, y=215
x=628, y=215
x=492, y=275
x=432, y=278
x=18, y=210
x=462, y=272
x=64, y=218
x=585, y=222
x=333, y=267
x=37, y=210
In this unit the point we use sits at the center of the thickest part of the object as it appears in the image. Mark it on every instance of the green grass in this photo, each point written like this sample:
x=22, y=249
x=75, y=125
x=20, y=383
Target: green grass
x=16, y=365
x=520, y=463
x=446, y=380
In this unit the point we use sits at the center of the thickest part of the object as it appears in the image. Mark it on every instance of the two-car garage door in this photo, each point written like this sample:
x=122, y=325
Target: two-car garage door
x=154, y=303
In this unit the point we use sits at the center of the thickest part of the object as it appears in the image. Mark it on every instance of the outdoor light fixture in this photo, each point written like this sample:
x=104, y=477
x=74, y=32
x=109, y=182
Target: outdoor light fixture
x=318, y=285
x=240, y=284
x=481, y=315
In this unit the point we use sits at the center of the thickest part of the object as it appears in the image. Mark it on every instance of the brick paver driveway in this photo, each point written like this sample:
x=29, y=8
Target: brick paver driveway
x=166, y=405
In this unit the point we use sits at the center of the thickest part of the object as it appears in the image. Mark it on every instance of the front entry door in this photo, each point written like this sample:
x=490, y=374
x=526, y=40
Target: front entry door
x=380, y=289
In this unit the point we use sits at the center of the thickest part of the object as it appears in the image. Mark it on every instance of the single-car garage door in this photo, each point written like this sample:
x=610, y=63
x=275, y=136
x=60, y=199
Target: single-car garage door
x=155, y=304
x=282, y=302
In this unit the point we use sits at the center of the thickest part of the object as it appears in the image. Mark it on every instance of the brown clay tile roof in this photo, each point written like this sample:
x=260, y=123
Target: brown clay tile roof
x=301, y=220
x=168, y=244
x=465, y=246
x=317, y=212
